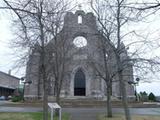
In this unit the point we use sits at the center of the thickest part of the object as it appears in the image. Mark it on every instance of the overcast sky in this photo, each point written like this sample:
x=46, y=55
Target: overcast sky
x=7, y=57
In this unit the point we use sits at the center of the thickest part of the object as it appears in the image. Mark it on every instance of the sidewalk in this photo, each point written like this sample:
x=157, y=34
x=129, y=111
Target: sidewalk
x=114, y=105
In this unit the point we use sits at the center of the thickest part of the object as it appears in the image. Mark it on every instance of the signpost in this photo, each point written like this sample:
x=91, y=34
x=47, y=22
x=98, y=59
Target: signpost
x=54, y=106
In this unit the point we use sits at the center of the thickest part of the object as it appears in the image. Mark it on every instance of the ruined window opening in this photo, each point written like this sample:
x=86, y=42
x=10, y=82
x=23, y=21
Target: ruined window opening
x=80, y=41
x=79, y=19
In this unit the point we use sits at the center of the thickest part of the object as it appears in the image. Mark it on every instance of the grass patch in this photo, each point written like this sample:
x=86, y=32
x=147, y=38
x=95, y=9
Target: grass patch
x=29, y=116
x=134, y=117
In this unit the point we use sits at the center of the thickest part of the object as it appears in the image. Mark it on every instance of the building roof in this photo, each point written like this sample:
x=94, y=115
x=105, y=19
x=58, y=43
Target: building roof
x=8, y=87
x=8, y=75
x=8, y=81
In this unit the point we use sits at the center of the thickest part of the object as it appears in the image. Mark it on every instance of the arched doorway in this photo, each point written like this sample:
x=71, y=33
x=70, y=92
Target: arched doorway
x=79, y=83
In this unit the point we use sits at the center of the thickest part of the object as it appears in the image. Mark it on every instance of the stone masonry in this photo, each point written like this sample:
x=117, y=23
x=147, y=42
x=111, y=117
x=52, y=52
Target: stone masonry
x=83, y=39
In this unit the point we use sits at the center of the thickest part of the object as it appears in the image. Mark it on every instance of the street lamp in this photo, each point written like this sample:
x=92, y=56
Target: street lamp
x=135, y=83
x=24, y=83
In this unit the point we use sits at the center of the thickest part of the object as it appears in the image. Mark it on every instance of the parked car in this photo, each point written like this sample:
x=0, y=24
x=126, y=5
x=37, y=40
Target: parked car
x=2, y=98
x=9, y=97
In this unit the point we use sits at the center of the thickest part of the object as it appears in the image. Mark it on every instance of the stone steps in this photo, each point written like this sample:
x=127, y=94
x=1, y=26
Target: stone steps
x=83, y=102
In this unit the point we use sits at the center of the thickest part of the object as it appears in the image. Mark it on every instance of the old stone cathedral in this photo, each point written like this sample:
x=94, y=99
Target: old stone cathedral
x=80, y=78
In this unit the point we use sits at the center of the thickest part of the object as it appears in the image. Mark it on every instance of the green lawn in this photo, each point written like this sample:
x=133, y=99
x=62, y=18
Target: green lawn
x=134, y=117
x=28, y=116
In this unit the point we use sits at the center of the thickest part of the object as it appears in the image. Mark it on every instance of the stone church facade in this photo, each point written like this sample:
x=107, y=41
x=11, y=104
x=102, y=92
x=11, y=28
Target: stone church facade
x=85, y=59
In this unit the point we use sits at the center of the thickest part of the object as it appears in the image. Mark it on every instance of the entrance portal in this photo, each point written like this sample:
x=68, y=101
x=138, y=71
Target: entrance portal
x=79, y=83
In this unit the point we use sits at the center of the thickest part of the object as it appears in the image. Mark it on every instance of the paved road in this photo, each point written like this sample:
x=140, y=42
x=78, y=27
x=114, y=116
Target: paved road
x=82, y=113
x=19, y=109
x=3, y=102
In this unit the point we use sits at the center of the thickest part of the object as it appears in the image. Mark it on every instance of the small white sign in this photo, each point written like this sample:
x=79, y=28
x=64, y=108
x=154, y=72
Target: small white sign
x=54, y=106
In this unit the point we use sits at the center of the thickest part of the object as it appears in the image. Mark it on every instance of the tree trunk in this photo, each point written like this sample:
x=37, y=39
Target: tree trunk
x=123, y=90
x=124, y=97
x=38, y=89
x=108, y=82
x=119, y=63
x=58, y=97
x=43, y=67
x=45, y=86
x=58, y=102
x=109, y=103
x=45, y=99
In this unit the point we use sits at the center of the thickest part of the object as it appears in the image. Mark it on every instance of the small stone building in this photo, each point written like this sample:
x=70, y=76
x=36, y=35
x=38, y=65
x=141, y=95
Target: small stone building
x=83, y=42
x=8, y=84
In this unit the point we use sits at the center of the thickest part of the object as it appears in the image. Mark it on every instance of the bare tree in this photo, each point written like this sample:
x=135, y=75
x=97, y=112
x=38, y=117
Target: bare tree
x=105, y=69
x=113, y=17
x=111, y=26
x=59, y=49
x=38, y=22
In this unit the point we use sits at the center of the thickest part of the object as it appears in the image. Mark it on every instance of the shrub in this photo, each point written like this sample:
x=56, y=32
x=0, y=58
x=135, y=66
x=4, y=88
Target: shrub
x=152, y=97
x=143, y=96
x=17, y=98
